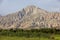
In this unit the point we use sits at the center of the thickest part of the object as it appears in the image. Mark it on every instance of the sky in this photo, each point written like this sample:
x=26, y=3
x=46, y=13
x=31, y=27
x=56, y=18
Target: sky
x=10, y=6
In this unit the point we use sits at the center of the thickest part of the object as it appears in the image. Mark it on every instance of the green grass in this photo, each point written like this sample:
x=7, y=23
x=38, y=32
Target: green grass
x=21, y=38
x=57, y=37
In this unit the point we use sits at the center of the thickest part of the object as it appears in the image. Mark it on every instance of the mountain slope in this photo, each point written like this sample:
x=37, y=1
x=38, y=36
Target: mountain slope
x=31, y=17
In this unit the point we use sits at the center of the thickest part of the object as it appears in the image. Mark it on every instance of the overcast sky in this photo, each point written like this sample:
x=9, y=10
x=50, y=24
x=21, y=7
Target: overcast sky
x=10, y=6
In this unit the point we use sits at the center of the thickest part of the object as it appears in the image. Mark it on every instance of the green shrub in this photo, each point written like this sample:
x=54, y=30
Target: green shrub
x=29, y=33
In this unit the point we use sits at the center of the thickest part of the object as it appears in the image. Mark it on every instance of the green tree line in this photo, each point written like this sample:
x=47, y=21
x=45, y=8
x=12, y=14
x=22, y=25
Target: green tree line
x=29, y=33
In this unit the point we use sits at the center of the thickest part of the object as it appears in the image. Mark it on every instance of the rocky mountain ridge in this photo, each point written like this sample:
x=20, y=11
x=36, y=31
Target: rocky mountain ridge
x=31, y=17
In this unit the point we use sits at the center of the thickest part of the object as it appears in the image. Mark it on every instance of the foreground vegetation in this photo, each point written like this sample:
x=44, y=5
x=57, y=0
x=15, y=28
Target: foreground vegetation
x=57, y=37
x=34, y=34
x=21, y=38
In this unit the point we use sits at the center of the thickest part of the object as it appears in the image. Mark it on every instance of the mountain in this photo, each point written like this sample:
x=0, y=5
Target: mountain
x=31, y=17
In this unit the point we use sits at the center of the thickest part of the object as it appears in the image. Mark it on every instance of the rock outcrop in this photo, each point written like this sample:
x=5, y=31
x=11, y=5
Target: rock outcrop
x=31, y=17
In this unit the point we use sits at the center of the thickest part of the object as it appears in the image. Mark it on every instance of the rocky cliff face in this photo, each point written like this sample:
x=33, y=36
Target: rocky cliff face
x=31, y=17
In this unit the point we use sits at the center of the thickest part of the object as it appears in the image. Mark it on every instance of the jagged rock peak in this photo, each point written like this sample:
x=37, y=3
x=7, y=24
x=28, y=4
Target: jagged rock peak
x=32, y=7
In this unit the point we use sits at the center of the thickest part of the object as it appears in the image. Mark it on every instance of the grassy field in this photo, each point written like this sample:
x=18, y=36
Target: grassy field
x=20, y=38
x=57, y=37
